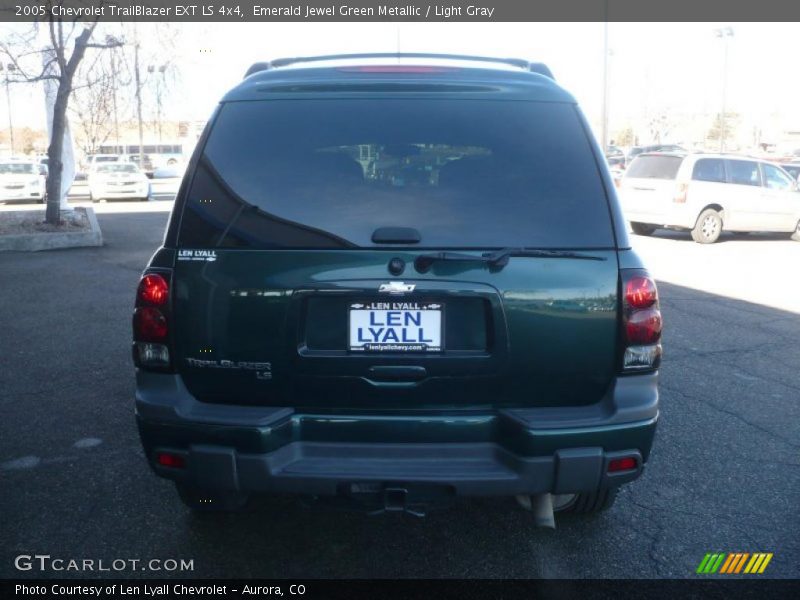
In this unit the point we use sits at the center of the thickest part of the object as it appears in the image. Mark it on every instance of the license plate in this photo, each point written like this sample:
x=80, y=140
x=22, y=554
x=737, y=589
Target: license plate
x=396, y=327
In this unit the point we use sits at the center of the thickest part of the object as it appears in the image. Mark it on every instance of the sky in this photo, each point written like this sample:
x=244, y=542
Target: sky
x=672, y=67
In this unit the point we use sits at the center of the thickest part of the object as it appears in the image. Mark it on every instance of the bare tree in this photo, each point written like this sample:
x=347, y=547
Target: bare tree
x=93, y=103
x=58, y=62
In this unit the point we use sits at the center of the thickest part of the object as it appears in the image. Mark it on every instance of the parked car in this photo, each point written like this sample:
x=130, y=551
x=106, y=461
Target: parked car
x=165, y=181
x=80, y=186
x=21, y=180
x=147, y=161
x=397, y=298
x=792, y=169
x=93, y=160
x=615, y=157
x=708, y=193
x=637, y=150
x=118, y=181
x=43, y=165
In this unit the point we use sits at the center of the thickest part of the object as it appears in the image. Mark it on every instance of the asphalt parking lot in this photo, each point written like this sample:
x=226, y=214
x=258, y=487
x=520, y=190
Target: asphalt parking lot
x=724, y=475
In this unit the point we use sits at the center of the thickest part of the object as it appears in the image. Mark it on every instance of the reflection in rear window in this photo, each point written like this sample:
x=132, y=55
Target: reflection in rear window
x=329, y=172
x=655, y=167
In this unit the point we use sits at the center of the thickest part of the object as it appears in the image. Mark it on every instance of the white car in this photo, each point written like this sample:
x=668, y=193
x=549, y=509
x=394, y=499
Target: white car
x=709, y=193
x=118, y=181
x=165, y=182
x=94, y=160
x=21, y=180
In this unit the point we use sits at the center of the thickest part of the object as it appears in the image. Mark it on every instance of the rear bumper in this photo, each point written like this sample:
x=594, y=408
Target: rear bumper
x=682, y=217
x=522, y=451
x=121, y=193
x=19, y=196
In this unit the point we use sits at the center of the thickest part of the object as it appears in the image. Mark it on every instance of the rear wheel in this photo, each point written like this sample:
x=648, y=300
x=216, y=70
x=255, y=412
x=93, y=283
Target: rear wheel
x=642, y=228
x=587, y=503
x=708, y=227
x=208, y=502
x=796, y=235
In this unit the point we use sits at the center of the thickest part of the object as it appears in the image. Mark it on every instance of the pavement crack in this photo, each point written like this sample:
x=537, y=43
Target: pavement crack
x=654, y=539
x=731, y=413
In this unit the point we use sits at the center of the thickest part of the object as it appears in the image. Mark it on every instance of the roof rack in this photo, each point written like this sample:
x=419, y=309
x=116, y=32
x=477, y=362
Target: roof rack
x=534, y=67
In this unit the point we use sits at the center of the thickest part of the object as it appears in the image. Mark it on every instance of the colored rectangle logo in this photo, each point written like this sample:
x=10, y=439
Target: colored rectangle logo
x=733, y=563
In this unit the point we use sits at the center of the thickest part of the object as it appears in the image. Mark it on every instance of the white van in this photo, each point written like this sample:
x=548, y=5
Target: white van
x=709, y=193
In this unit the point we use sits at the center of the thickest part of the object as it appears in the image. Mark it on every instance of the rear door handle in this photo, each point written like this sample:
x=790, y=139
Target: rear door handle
x=397, y=373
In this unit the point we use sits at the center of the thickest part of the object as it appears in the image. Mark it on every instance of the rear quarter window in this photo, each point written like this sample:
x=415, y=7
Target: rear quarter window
x=654, y=167
x=463, y=173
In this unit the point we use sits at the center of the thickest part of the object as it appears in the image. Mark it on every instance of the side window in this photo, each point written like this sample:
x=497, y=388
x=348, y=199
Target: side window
x=709, y=169
x=775, y=179
x=744, y=172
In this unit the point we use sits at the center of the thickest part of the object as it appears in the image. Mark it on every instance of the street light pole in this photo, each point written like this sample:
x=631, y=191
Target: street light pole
x=8, y=70
x=109, y=40
x=138, y=79
x=604, y=110
x=159, y=84
x=724, y=33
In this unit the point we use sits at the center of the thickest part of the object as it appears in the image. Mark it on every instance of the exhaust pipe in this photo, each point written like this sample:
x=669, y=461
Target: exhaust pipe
x=541, y=505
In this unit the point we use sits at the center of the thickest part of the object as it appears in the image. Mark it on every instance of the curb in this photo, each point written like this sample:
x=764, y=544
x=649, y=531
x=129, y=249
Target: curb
x=34, y=242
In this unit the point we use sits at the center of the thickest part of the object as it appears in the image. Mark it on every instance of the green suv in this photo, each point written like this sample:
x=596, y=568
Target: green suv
x=393, y=280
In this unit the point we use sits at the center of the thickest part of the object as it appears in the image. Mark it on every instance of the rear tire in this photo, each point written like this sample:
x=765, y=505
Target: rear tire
x=796, y=235
x=589, y=503
x=642, y=228
x=204, y=501
x=708, y=227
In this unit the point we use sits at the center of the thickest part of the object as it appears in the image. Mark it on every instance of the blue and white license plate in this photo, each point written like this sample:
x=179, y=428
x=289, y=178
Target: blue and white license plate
x=396, y=327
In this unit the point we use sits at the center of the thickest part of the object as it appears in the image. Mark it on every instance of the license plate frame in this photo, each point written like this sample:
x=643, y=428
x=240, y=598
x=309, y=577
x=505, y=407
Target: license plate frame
x=434, y=310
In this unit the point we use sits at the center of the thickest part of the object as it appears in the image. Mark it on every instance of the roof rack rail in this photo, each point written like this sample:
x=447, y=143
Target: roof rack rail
x=534, y=67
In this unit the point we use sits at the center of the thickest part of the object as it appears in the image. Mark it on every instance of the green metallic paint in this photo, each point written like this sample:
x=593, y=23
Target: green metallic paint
x=549, y=327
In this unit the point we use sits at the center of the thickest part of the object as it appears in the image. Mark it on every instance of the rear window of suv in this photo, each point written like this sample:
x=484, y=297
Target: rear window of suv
x=654, y=167
x=463, y=173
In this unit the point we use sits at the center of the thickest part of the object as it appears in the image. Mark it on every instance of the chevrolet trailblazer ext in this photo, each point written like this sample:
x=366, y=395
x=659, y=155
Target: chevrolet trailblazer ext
x=394, y=279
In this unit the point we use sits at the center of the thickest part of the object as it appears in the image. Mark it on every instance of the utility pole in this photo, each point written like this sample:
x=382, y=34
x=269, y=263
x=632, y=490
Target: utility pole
x=8, y=70
x=138, y=80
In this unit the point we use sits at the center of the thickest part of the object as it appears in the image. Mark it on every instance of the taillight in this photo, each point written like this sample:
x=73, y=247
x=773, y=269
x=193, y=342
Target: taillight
x=642, y=322
x=151, y=323
x=171, y=460
x=621, y=464
x=680, y=193
x=644, y=326
x=153, y=289
x=640, y=292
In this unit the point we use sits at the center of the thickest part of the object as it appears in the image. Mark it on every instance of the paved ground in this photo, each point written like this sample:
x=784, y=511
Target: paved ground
x=724, y=476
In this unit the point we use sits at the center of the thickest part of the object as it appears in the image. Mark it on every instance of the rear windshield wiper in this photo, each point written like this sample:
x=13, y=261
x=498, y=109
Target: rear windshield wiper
x=498, y=258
